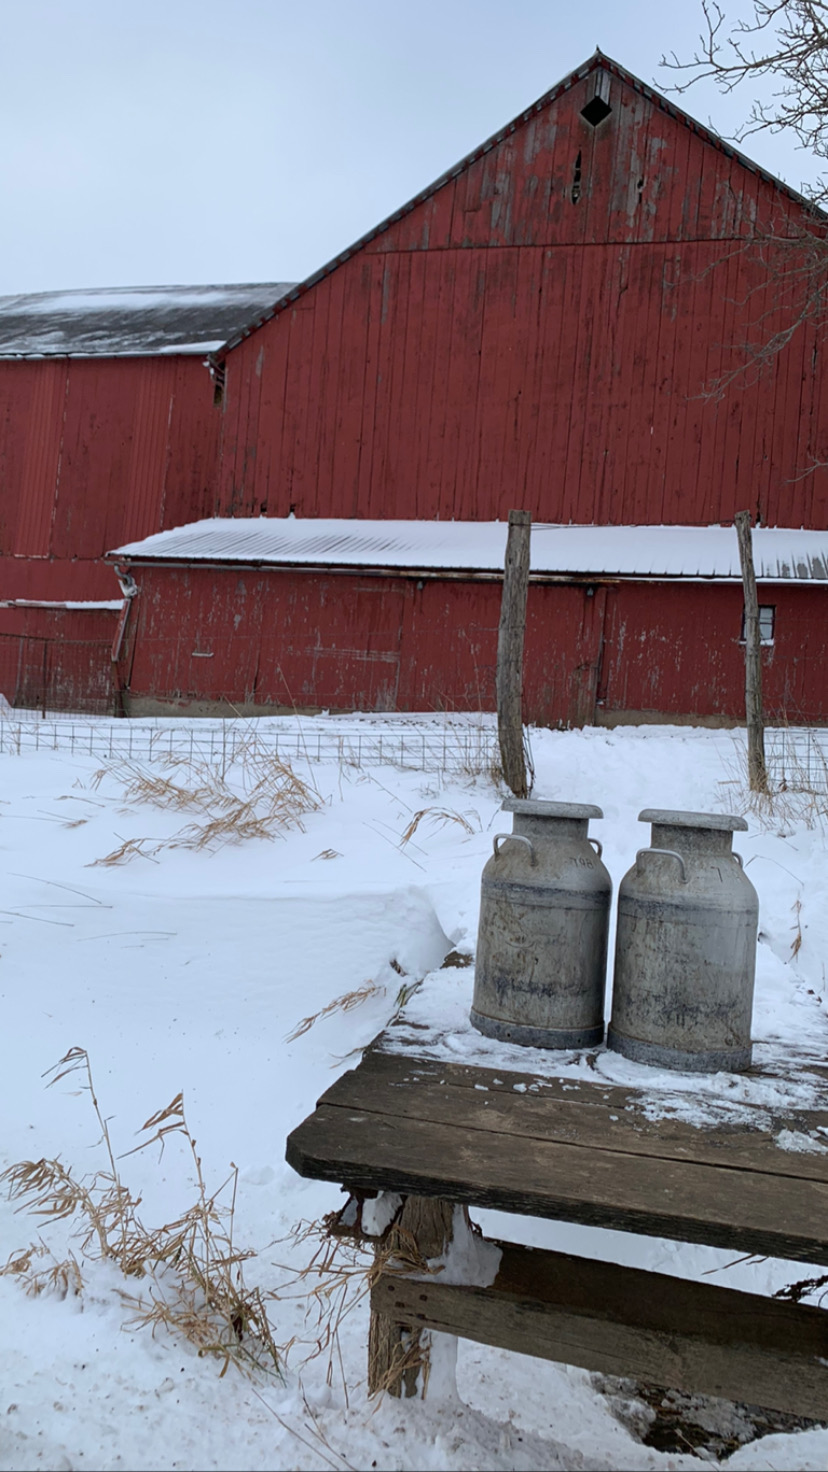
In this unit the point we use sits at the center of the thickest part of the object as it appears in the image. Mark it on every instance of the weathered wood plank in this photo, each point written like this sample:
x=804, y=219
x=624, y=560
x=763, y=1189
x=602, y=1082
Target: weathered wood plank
x=397, y=1358
x=685, y=1201
x=510, y=640
x=754, y=716
x=622, y=1321
x=595, y=1116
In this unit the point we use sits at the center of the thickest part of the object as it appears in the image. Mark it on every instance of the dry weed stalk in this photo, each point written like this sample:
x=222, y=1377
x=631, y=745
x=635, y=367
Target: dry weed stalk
x=332, y=1284
x=438, y=818
x=193, y=1270
x=272, y=799
x=341, y=1272
x=64, y=1275
x=796, y=943
x=799, y=796
x=346, y=1003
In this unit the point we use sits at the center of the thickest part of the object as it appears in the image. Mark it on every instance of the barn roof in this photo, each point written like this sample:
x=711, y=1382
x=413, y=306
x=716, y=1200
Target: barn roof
x=128, y=321
x=781, y=554
x=597, y=62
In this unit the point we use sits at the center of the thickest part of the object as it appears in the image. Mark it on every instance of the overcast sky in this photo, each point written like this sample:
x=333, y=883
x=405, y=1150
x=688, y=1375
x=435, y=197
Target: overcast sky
x=251, y=140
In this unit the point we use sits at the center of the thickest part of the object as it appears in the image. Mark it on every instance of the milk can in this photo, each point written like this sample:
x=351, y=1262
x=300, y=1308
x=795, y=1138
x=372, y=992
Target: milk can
x=685, y=950
x=542, y=943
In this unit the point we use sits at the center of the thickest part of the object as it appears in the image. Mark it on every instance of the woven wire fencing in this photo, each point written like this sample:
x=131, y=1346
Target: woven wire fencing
x=456, y=749
x=797, y=758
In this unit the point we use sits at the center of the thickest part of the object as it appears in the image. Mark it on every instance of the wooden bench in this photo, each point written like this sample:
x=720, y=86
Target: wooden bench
x=443, y=1135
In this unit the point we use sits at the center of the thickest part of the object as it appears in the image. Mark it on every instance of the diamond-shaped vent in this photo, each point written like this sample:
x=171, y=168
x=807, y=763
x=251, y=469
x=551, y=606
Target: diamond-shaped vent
x=595, y=111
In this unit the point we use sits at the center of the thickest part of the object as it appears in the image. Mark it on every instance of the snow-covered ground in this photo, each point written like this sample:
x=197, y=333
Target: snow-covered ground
x=187, y=969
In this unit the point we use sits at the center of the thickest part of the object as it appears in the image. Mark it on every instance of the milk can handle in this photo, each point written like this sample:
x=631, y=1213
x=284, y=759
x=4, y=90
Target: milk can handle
x=669, y=853
x=597, y=845
x=515, y=838
x=740, y=861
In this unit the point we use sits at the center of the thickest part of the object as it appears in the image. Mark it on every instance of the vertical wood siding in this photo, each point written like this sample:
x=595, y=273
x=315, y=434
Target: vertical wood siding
x=93, y=453
x=58, y=659
x=622, y=651
x=523, y=337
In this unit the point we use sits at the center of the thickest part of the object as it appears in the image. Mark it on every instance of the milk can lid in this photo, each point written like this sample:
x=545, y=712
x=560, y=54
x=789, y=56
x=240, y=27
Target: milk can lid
x=723, y=822
x=532, y=807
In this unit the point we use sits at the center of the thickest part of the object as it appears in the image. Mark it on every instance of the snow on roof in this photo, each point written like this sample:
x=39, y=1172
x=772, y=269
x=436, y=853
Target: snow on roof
x=85, y=605
x=780, y=553
x=129, y=321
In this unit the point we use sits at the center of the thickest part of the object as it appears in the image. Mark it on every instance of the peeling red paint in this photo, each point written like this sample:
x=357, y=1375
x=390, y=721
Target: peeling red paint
x=350, y=642
x=505, y=344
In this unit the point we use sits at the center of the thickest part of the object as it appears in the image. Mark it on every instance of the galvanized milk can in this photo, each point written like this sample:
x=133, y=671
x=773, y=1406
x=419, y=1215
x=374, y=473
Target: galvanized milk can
x=685, y=950
x=542, y=942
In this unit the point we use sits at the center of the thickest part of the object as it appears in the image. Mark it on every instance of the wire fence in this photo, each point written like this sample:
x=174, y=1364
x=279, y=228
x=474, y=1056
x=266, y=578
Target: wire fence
x=797, y=756
x=457, y=749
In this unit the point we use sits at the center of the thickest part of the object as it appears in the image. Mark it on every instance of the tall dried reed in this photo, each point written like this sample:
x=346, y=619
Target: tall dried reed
x=192, y=1269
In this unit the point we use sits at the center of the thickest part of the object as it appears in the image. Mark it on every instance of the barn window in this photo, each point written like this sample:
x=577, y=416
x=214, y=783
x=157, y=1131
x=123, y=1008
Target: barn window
x=767, y=623
x=598, y=106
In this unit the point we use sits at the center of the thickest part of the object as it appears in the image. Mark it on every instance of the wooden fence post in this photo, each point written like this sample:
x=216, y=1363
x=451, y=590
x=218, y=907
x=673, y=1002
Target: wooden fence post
x=510, y=639
x=754, y=716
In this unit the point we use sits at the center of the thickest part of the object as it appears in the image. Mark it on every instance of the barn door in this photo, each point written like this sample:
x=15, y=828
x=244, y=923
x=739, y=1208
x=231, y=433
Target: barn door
x=32, y=683
x=586, y=677
x=563, y=658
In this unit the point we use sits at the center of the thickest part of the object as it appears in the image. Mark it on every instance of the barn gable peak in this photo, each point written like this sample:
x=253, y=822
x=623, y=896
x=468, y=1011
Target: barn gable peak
x=602, y=74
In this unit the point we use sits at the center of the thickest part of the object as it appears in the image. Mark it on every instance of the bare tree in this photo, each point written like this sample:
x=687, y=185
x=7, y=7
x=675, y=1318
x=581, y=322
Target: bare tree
x=785, y=41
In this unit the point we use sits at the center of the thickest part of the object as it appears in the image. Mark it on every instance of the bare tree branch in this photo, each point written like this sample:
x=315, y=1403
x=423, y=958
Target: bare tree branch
x=785, y=41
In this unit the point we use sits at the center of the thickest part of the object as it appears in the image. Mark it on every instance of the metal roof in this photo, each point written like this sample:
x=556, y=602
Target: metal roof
x=781, y=554
x=598, y=61
x=128, y=321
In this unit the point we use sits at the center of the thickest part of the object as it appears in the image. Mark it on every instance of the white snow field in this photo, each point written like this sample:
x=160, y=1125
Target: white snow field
x=186, y=968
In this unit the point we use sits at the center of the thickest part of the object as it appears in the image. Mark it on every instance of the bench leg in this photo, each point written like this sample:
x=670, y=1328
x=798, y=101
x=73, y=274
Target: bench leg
x=396, y=1353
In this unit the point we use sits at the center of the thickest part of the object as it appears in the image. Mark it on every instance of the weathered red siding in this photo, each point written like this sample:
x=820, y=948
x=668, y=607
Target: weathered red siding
x=58, y=659
x=94, y=453
x=538, y=332
x=594, y=653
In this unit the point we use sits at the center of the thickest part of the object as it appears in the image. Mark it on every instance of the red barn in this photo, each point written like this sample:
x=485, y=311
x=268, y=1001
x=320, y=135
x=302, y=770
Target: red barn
x=538, y=329
x=543, y=327
x=107, y=431
x=623, y=624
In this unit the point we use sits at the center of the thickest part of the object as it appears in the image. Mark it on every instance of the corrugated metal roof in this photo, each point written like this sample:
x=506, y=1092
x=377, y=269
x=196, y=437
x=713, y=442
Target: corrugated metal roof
x=780, y=554
x=129, y=321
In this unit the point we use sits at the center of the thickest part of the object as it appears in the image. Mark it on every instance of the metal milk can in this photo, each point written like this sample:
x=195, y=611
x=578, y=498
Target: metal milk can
x=685, y=950
x=542, y=942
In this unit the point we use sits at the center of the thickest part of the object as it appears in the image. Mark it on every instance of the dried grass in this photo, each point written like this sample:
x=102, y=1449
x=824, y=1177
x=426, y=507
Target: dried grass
x=193, y=1271
x=333, y=1283
x=800, y=796
x=346, y=1003
x=343, y=1268
x=268, y=798
x=796, y=943
x=437, y=818
x=62, y=1277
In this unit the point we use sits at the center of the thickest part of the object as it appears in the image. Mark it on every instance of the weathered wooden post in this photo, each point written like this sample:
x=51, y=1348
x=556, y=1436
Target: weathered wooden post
x=510, y=637
x=397, y=1357
x=754, y=716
